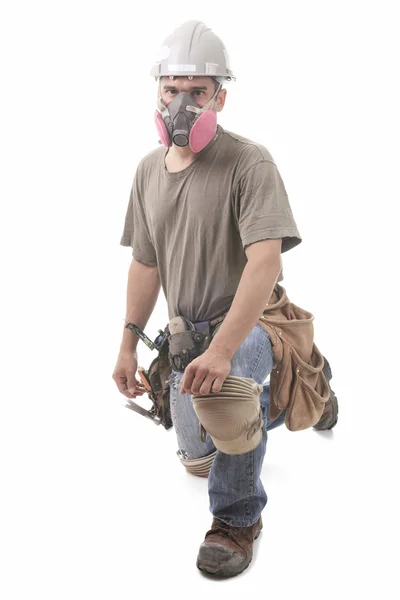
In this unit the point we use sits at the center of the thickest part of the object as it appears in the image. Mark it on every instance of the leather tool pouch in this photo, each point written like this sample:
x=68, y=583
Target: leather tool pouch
x=188, y=341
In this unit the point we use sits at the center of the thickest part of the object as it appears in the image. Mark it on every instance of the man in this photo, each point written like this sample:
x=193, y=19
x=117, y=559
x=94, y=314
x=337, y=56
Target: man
x=208, y=218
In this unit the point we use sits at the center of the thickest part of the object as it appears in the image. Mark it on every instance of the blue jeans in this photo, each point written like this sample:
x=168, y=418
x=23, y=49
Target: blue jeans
x=236, y=493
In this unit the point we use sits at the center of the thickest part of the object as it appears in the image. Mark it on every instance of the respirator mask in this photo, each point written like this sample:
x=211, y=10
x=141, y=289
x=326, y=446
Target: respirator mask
x=184, y=123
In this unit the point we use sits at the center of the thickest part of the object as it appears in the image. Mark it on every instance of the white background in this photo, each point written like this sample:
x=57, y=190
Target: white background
x=94, y=501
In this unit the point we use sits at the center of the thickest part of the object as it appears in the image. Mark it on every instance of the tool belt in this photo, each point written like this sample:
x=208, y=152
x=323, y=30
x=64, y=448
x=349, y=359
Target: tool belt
x=178, y=344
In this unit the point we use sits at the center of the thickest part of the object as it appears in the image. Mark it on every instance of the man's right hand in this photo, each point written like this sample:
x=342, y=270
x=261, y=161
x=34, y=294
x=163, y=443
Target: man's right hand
x=125, y=375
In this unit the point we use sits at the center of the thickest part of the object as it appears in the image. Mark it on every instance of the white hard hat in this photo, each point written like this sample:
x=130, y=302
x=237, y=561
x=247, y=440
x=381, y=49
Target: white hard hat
x=193, y=50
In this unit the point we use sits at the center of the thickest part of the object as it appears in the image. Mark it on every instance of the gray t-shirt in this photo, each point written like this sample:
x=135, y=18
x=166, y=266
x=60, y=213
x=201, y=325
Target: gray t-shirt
x=196, y=223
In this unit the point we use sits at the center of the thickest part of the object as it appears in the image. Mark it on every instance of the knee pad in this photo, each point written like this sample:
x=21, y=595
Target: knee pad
x=198, y=466
x=232, y=416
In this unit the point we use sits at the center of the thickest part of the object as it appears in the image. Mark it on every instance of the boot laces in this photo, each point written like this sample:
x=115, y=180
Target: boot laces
x=222, y=528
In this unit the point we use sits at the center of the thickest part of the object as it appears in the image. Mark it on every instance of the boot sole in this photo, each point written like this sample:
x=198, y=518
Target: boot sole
x=208, y=564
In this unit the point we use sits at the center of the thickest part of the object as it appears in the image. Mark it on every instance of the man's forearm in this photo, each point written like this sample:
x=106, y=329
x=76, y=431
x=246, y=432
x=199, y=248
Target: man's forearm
x=255, y=289
x=142, y=293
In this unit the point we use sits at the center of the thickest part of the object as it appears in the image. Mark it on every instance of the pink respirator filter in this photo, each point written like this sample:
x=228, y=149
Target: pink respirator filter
x=201, y=134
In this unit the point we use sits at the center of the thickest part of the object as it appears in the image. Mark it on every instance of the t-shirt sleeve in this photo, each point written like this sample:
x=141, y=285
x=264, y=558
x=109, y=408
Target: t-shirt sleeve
x=262, y=208
x=136, y=231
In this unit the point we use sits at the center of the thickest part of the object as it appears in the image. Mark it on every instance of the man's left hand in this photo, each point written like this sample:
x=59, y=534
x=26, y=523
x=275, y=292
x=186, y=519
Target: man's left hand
x=205, y=374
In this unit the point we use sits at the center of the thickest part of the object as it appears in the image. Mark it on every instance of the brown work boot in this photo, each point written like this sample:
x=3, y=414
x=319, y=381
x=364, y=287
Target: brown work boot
x=227, y=551
x=329, y=417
